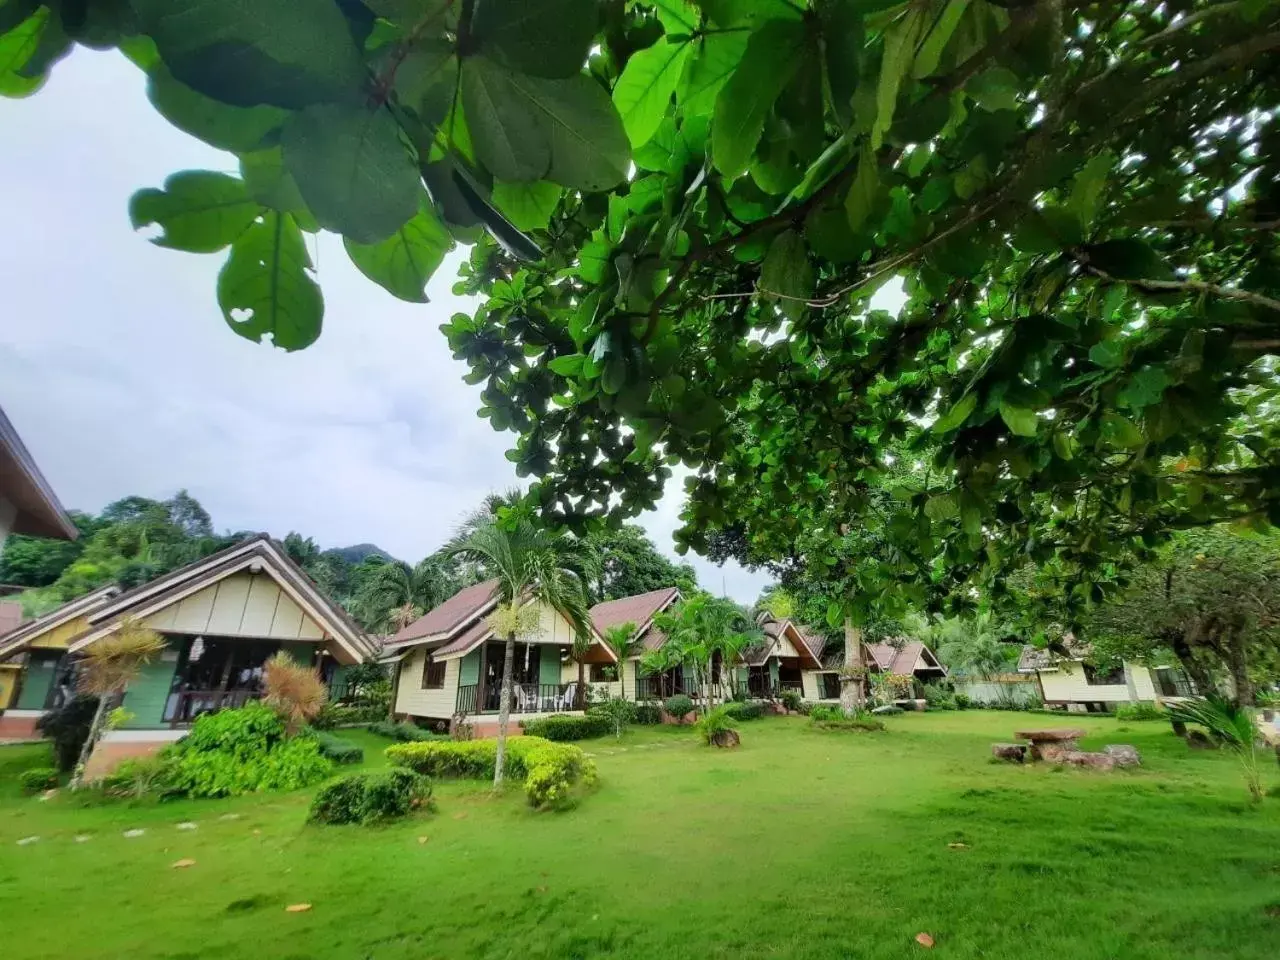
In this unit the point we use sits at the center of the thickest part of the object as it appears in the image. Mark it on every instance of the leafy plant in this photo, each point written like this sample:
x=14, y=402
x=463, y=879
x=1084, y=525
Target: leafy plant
x=338, y=750
x=714, y=724
x=293, y=690
x=565, y=728
x=68, y=726
x=616, y=712
x=1232, y=726
x=371, y=797
x=678, y=707
x=404, y=732
x=791, y=700
x=744, y=711
x=38, y=779
x=1142, y=710
x=139, y=777
x=647, y=714
x=886, y=688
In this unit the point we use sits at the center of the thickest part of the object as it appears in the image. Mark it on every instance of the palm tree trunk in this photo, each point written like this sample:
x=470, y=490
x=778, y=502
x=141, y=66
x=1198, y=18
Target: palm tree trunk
x=580, y=695
x=95, y=729
x=504, y=709
x=851, y=699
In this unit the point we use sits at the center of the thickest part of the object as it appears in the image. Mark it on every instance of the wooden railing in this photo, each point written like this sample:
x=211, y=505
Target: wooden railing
x=183, y=708
x=525, y=698
x=662, y=686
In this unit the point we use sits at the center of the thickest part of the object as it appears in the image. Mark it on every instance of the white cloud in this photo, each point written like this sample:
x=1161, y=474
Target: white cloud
x=122, y=377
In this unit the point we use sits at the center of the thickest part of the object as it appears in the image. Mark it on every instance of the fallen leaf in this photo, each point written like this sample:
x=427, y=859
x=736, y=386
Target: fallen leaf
x=423, y=839
x=185, y=862
x=297, y=908
x=924, y=940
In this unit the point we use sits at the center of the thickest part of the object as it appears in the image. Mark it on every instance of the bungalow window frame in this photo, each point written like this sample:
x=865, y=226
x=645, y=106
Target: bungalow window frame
x=433, y=673
x=1095, y=677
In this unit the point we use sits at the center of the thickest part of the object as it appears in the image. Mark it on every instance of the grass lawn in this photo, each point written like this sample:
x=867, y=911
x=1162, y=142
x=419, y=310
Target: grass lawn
x=799, y=845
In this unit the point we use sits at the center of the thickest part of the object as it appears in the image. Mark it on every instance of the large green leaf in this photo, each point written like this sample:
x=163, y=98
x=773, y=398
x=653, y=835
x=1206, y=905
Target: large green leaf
x=268, y=278
x=843, y=38
x=518, y=121
x=16, y=49
x=1021, y=420
x=787, y=272
x=709, y=68
x=926, y=61
x=404, y=262
x=286, y=53
x=861, y=198
x=272, y=185
x=545, y=38
x=1129, y=259
x=528, y=205
x=643, y=92
x=412, y=14
x=771, y=60
x=899, y=54
x=957, y=415
x=229, y=128
x=198, y=210
x=353, y=171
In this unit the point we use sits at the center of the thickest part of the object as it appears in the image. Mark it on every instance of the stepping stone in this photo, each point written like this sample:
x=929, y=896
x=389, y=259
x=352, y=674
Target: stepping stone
x=183, y=863
x=186, y=825
x=27, y=841
x=83, y=838
x=957, y=846
x=230, y=816
x=297, y=908
x=924, y=940
x=133, y=833
x=423, y=839
x=1124, y=754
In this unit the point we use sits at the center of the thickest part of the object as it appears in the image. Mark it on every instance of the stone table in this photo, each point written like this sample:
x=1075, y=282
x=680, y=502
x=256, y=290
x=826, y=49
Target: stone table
x=1050, y=744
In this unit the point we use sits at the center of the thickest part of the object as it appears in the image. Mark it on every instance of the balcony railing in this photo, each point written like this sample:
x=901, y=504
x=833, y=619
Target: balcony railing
x=525, y=698
x=662, y=686
x=183, y=708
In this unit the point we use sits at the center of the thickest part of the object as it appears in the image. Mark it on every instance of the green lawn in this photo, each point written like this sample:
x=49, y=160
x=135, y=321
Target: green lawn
x=799, y=845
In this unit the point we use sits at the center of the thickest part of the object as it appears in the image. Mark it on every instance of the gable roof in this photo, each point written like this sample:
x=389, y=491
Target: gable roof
x=640, y=610
x=904, y=657
x=15, y=640
x=21, y=483
x=10, y=616
x=442, y=622
x=256, y=554
x=775, y=631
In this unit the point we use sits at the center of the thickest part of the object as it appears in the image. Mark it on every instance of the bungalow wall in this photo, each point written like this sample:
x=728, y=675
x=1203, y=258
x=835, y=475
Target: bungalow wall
x=438, y=704
x=1068, y=684
x=1016, y=688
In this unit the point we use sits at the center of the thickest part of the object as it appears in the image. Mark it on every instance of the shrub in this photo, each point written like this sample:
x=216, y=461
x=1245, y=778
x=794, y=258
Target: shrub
x=370, y=797
x=550, y=771
x=714, y=723
x=939, y=697
x=648, y=714
x=136, y=778
x=404, y=732
x=791, y=700
x=678, y=707
x=565, y=728
x=242, y=751
x=616, y=712
x=1142, y=710
x=963, y=701
x=339, y=750
x=752, y=710
x=333, y=715
x=293, y=690
x=886, y=711
x=38, y=779
x=68, y=727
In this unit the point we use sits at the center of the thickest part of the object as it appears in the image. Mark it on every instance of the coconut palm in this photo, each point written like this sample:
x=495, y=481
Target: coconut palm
x=1229, y=724
x=531, y=566
x=398, y=594
x=106, y=669
x=624, y=643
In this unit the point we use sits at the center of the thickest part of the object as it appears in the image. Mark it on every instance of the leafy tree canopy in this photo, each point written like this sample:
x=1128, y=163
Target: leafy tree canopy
x=631, y=564
x=687, y=208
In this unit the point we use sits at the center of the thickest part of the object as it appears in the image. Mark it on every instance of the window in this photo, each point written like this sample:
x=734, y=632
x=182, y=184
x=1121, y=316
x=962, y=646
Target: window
x=1103, y=676
x=830, y=686
x=433, y=674
x=603, y=673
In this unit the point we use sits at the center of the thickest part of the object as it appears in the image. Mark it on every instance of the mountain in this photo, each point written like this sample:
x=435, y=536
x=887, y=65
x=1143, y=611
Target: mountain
x=357, y=552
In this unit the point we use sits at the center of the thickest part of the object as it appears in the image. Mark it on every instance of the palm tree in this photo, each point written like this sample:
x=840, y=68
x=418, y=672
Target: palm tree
x=398, y=594
x=624, y=643
x=531, y=566
x=106, y=669
x=1232, y=725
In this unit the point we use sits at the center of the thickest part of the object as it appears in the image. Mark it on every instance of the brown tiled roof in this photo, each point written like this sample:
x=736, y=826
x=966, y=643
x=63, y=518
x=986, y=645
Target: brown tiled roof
x=459, y=610
x=10, y=617
x=901, y=657
x=639, y=610
x=17, y=638
x=466, y=639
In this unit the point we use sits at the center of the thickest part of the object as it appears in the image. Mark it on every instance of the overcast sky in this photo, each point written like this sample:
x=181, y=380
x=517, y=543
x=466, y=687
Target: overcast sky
x=120, y=374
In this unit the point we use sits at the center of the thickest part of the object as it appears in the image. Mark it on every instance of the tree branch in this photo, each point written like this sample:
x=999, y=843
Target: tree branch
x=1183, y=286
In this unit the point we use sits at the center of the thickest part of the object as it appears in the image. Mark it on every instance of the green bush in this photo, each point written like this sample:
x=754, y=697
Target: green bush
x=963, y=701
x=616, y=713
x=648, y=714
x=938, y=696
x=68, y=727
x=333, y=715
x=791, y=700
x=565, y=728
x=1141, y=710
x=38, y=779
x=550, y=771
x=371, y=797
x=243, y=751
x=339, y=750
x=713, y=723
x=139, y=777
x=404, y=732
x=678, y=706
x=751, y=710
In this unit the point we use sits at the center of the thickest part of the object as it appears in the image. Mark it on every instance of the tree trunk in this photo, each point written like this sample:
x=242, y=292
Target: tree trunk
x=95, y=730
x=1238, y=664
x=504, y=709
x=1183, y=650
x=851, y=698
x=580, y=695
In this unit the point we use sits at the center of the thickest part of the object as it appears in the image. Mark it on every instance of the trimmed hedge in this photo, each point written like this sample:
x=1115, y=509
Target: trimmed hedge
x=551, y=771
x=370, y=797
x=648, y=714
x=564, y=728
x=339, y=750
x=404, y=732
x=38, y=779
x=679, y=706
x=749, y=710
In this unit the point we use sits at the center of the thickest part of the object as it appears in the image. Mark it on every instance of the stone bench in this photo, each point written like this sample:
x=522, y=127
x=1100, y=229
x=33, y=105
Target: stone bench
x=1050, y=744
x=1012, y=752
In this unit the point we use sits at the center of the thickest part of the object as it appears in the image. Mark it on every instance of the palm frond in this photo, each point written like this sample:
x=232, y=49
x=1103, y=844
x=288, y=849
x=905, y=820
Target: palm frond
x=294, y=691
x=112, y=663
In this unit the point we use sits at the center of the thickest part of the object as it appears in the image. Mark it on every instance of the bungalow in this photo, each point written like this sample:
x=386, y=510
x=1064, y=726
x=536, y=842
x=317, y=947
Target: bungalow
x=449, y=663
x=1071, y=682
x=780, y=662
x=639, y=610
x=221, y=617
x=903, y=657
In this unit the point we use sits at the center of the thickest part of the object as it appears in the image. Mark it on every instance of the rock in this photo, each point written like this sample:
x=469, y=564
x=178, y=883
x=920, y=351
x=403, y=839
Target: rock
x=725, y=738
x=186, y=825
x=130, y=834
x=1125, y=755
x=297, y=908
x=924, y=940
x=48, y=794
x=183, y=863
x=1094, y=761
x=1013, y=752
x=27, y=841
x=1199, y=740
